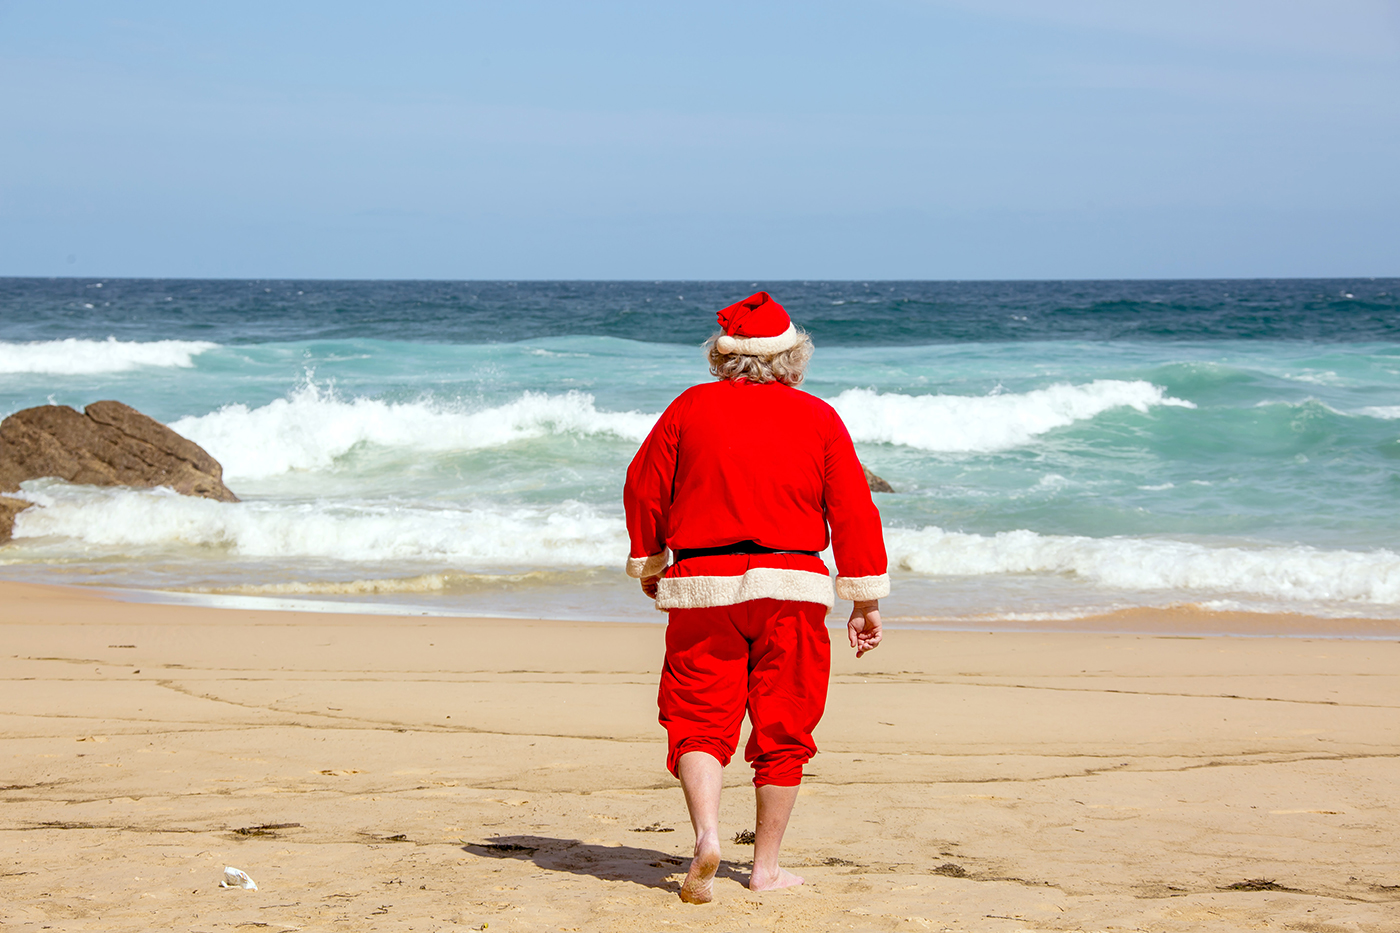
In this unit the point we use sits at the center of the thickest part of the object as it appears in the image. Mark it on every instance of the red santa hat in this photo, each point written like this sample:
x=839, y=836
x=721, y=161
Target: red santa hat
x=756, y=326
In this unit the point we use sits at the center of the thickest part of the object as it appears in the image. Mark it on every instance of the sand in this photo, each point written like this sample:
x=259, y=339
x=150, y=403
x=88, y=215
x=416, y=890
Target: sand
x=448, y=774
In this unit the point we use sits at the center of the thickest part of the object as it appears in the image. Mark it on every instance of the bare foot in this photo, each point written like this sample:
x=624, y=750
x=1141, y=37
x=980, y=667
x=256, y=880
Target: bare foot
x=772, y=881
x=699, y=883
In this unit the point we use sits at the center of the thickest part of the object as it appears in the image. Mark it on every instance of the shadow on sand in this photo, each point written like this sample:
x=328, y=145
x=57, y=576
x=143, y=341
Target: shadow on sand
x=611, y=863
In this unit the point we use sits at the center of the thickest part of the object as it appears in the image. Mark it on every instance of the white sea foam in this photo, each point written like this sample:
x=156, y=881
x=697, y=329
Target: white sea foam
x=568, y=534
x=1387, y=412
x=147, y=523
x=1318, y=378
x=564, y=534
x=74, y=357
x=1286, y=573
x=450, y=581
x=982, y=424
x=313, y=426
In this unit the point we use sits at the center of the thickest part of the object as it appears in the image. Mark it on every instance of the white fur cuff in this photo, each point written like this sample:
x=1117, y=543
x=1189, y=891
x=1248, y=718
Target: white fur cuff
x=854, y=588
x=640, y=567
x=758, y=346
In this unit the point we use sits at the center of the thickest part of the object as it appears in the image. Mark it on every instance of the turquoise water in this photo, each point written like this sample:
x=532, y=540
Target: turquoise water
x=1233, y=445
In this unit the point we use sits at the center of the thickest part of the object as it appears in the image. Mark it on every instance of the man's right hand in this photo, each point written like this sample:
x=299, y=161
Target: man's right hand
x=649, y=585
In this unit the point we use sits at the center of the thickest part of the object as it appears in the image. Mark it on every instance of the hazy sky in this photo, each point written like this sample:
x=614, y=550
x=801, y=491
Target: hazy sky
x=927, y=139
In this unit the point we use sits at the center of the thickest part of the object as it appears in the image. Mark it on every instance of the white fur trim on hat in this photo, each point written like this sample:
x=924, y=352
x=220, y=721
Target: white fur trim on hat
x=646, y=566
x=854, y=588
x=756, y=583
x=758, y=346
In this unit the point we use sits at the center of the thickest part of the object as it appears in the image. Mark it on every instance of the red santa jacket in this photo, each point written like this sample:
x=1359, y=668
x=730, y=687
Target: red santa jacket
x=733, y=461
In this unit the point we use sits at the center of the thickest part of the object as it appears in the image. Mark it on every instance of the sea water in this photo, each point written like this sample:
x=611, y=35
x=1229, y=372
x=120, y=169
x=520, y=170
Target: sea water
x=1056, y=449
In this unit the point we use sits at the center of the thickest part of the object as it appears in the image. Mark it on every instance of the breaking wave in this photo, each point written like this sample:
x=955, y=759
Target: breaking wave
x=313, y=426
x=1287, y=573
x=74, y=357
x=576, y=535
x=988, y=423
x=564, y=534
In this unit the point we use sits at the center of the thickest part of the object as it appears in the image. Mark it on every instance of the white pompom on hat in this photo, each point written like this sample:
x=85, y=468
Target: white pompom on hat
x=756, y=326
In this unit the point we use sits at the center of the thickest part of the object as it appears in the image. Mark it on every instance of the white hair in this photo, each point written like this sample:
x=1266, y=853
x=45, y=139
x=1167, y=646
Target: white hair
x=788, y=367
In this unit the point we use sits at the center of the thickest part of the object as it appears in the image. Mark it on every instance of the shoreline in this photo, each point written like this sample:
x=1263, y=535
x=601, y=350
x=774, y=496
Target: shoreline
x=1186, y=619
x=437, y=773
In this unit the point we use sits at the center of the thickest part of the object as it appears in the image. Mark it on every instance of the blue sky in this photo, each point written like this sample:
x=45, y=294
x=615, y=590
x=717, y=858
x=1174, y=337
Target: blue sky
x=925, y=139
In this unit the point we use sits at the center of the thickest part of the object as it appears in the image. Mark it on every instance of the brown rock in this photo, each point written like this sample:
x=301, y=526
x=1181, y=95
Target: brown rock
x=110, y=445
x=9, y=508
x=875, y=483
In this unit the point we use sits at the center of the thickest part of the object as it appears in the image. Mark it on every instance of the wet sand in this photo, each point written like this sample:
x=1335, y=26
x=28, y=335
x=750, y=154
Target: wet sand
x=440, y=774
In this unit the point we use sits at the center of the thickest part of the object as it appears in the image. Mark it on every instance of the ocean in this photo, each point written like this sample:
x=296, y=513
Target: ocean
x=1058, y=449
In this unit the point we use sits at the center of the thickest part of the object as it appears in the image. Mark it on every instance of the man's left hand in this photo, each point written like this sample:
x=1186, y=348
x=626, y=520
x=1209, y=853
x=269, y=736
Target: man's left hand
x=864, y=626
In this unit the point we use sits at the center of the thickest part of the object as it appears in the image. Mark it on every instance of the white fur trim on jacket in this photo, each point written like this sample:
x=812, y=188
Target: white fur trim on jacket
x=756, y=583
x=646, y=566
x=758, y=346
x=854, y=588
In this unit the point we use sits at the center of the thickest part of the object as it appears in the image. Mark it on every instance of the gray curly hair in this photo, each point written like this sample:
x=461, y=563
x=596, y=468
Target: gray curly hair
x=788, y=367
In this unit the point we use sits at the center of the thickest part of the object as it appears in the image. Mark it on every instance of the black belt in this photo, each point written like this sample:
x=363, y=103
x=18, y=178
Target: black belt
x=740, y=547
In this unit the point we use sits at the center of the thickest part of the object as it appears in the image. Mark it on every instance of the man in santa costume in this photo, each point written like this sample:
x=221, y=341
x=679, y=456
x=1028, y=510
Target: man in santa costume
x=745, y=481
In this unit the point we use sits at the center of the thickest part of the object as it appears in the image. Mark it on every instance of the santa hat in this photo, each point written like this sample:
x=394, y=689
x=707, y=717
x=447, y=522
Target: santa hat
x=756, y=326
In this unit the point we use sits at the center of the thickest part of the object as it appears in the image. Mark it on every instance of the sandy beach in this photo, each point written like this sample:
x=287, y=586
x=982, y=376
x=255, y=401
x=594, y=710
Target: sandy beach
x=388, y=773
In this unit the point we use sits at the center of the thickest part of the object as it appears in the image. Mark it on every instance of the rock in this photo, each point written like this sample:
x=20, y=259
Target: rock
x=109, y=444
x=9, y=508
x=875, y=483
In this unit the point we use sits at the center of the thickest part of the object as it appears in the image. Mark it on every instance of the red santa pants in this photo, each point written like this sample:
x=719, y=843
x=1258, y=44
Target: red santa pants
x=769, y=657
